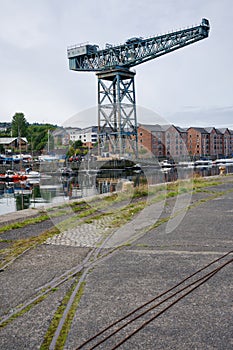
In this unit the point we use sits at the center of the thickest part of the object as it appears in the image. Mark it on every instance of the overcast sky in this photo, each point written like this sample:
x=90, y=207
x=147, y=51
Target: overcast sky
x=191, y=86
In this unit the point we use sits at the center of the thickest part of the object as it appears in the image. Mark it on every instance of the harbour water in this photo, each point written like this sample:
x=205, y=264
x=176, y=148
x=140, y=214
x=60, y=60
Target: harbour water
x=54, y=189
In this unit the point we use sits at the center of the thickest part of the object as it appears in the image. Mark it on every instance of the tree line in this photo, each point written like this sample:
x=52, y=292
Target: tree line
x=36, y=133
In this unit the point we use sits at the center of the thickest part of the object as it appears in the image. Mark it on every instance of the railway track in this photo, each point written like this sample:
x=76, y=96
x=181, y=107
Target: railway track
x=96, y=255
x=167, y=299
x=91, y=259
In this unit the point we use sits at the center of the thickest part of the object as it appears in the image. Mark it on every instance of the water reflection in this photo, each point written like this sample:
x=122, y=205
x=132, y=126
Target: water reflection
x=63, y=185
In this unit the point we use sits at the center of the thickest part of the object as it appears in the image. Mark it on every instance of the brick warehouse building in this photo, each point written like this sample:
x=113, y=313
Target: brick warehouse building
x=169, y=141
x=163, y=141
x=152, y=139
x=198, y=142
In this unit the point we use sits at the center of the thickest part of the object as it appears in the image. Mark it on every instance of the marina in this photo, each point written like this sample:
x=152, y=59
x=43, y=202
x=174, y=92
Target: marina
x=34, y=189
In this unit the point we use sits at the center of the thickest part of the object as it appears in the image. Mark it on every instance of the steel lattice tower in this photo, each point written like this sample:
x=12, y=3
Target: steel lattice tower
x=117, y=121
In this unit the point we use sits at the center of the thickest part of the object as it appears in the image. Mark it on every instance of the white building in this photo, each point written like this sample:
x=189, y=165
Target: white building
x=73, y=133
x=88, y=135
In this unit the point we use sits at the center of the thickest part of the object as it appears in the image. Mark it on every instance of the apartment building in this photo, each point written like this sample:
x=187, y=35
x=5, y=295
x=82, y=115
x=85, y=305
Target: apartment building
x=198, y=142
x=215, y=142
x=88, y=136
x=170, y=141
x=73, y=132
x=61, y=137
x=227, y=143
x=175, y=141
x=163, y=140
x=151, y=138
x=210, y=142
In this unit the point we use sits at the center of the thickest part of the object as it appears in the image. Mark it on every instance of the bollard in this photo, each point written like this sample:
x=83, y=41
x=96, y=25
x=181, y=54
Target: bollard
x=222, y=170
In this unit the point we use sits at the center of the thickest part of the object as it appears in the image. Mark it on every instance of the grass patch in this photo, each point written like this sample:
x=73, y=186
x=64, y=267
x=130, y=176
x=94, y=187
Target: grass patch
x=20, y=246
x=22, y=312
x=126, y=214
x=24, y=223
x=142, y=245
x=58, y=315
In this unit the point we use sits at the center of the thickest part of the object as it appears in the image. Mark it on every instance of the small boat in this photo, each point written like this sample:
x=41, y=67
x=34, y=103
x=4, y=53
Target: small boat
x=11, y=176
x=186, y=164
x=166, y=164
x=224, y=161
x=31, y=174
x=203, y=163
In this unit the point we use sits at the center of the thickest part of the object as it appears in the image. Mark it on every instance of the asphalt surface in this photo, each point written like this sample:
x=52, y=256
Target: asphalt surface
x=154, y=263
x=150, y=264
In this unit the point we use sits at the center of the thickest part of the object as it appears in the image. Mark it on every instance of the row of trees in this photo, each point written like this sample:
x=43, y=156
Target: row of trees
x=36, y=134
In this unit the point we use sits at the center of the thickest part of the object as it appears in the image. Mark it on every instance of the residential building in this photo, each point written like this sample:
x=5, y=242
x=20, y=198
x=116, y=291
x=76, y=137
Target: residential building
x=198, y=142
x=88, y=135
x=215, y=142
x=13, y=144
x=227, y=141
x=73, y=133
x=163, y=140
x=151, y=139
x=61, y=137
x=175, y=141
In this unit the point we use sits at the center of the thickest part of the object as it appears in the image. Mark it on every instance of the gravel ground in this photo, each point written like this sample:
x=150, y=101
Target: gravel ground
x=201, y=321
x=34, y=269
x=27, y=332
x=128, y=278
x=27, y=231
x=154, y=263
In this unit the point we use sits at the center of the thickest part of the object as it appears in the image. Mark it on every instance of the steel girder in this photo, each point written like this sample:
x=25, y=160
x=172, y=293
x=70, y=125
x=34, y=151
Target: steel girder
x=138, y=51
x=117, y=121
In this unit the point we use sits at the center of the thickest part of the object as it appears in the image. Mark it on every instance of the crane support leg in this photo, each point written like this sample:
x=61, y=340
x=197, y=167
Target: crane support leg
x=117, y=121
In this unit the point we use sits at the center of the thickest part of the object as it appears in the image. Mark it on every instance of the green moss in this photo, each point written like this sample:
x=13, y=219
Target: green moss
x=58, y=315
x=24, y=223
x=22, y=312
x=20, y=246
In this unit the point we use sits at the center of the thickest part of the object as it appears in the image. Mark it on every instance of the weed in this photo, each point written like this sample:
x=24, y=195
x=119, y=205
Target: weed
x=58, y=315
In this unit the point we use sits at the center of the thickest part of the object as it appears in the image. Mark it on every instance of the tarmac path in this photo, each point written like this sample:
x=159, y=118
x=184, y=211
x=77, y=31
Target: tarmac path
x=150, y=260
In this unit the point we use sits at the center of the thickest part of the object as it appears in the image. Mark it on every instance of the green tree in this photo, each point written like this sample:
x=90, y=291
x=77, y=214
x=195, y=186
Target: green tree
x=19, y=125
x=70, y=152
x=38, y=136
x=77, y=144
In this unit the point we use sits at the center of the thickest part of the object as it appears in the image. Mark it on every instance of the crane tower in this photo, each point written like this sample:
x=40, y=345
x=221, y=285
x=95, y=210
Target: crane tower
x=117, y=120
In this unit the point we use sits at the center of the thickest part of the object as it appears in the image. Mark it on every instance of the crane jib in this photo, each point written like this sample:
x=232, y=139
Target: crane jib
x=134, y=51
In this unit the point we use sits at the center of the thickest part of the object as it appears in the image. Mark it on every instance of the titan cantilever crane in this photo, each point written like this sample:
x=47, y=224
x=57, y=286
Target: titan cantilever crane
x=117, y=121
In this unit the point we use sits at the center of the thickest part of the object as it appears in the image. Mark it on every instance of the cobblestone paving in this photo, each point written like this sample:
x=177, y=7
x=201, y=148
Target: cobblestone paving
x=84, y=235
